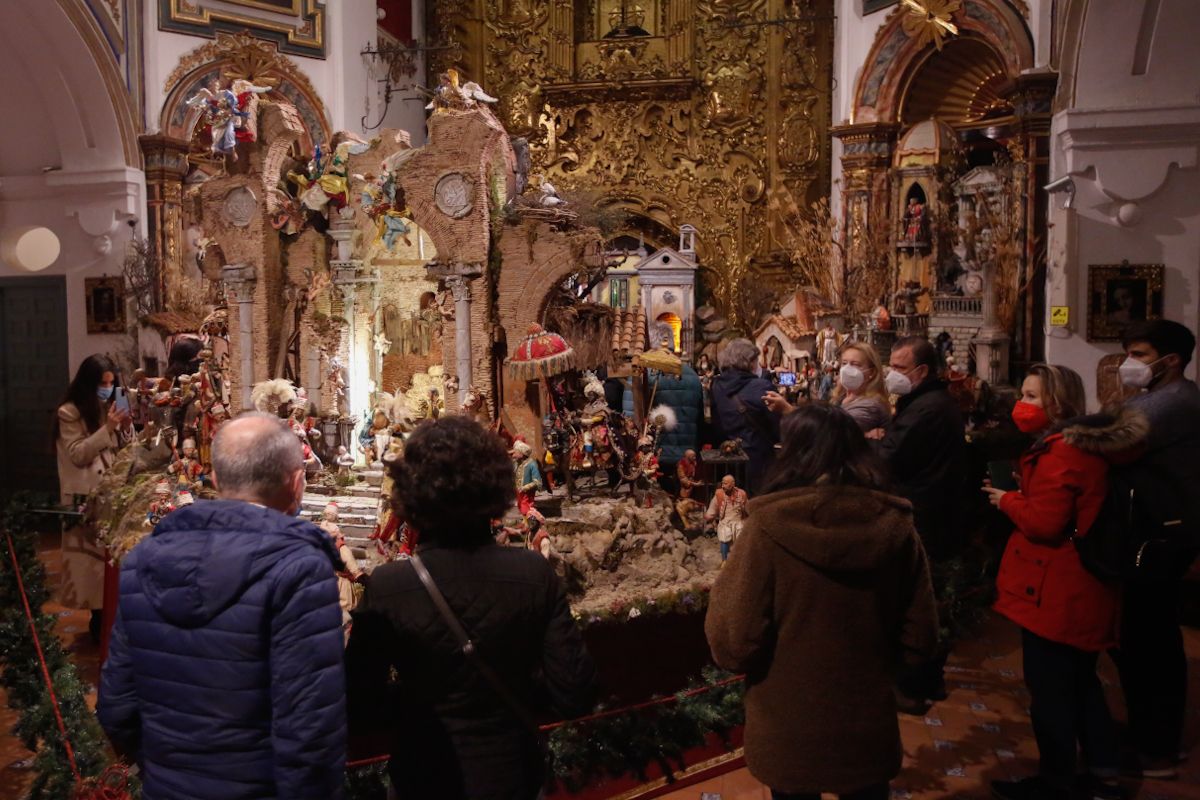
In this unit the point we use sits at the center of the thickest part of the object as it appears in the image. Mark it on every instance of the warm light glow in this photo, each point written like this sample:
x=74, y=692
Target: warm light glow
x=30, y=248
x=676, y=326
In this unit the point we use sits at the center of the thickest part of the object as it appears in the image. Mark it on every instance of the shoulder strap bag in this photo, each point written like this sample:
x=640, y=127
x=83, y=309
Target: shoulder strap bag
x=519, y=709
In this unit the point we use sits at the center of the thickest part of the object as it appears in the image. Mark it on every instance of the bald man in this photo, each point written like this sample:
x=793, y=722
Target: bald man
x=224, y=677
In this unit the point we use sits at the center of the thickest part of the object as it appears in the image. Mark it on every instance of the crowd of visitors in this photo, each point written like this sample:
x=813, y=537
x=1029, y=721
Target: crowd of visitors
x=227, y=675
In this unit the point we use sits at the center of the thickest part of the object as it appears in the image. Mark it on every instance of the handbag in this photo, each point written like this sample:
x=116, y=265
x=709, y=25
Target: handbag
x=468, y=649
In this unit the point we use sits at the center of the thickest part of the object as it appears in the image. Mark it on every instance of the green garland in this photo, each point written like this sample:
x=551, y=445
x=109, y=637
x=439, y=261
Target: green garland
x=21, y=673
x=623, y=744
x=628, y=743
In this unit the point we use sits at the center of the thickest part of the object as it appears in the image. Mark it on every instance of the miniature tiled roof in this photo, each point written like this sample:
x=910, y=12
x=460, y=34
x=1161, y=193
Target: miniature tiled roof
x=629, y=333
x=172, y=322
x=790, y=327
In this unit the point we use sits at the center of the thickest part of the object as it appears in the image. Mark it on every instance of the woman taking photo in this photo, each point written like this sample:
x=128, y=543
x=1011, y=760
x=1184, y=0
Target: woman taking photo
x=87, y=432
x=459, y=723
x=1067, y=615
x=825, y=597
x=859, y=390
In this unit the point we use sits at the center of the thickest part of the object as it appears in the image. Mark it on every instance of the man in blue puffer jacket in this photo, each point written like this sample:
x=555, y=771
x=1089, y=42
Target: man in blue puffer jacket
x=224, y=678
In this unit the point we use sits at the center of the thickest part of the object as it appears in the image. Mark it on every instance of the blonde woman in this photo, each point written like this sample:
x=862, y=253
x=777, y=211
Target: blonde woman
x=859, y=391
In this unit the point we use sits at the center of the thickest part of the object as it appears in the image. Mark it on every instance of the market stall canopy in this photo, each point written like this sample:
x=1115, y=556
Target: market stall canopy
x=541, y=354
x=661, y=360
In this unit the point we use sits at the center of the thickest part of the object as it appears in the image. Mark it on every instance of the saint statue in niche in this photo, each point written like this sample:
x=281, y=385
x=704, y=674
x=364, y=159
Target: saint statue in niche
x=626, y=19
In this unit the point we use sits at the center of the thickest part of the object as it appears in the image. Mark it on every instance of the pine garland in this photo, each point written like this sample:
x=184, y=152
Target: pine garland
x=21, y=673
x=587, y=751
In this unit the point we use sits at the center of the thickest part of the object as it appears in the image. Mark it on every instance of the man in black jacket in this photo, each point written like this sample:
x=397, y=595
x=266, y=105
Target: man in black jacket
x=925, y=447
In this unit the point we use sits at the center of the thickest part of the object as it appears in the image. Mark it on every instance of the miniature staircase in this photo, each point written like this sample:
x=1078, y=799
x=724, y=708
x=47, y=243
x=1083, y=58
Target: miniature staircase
x=358, y=509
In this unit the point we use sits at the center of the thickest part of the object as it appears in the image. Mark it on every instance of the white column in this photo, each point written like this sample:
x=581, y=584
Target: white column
x=460, y=287
x=240, y=280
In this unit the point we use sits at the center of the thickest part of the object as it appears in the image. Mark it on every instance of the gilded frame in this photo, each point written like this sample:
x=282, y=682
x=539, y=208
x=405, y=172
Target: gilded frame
x=105, y=301
x=1120, y=294
x=304, y=35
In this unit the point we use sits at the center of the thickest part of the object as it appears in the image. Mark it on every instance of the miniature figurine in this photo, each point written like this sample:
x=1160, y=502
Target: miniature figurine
x=828, y=342
x=343, y=461
x=648, y=472
x=539, y=537
x=528, y=476
x=353, y=573
x=727, y=510
x=161, y=505
x=549, y=196
x=188, y=467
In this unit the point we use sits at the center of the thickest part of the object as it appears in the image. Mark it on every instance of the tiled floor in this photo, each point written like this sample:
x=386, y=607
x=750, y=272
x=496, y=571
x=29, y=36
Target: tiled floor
x=980, y=733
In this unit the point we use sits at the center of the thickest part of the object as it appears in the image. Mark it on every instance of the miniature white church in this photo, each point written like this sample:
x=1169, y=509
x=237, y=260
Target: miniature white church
x=663, y=283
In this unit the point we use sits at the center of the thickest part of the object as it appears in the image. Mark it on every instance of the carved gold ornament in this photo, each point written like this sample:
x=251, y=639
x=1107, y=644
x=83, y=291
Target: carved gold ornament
x=929, y=20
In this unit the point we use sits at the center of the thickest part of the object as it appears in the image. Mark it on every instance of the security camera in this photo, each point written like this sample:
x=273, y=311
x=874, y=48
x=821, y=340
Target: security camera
x=1064, y=184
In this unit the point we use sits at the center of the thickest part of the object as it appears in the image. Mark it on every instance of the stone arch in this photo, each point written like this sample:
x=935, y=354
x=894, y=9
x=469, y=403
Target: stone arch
x=895, y=57
x=179, y=121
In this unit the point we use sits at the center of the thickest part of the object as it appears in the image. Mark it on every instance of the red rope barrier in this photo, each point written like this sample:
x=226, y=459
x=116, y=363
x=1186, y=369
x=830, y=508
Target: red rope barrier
x=37, y=643
x=658, y=701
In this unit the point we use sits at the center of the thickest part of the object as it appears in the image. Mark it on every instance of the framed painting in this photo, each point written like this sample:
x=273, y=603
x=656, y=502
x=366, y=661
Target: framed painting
x=105, y=304
x=1119, y=294
x=871, y=6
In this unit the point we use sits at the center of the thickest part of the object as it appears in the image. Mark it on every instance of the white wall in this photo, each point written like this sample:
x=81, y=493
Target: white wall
x=63, y=165
x=340, y=79
x=853, y=36
x=1131, y=143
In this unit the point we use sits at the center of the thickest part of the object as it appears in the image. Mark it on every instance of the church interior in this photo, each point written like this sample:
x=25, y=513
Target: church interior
x=555, y=218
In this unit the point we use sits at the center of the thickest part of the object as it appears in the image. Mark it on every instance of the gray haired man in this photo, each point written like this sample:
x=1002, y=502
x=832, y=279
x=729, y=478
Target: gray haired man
x=224, y=679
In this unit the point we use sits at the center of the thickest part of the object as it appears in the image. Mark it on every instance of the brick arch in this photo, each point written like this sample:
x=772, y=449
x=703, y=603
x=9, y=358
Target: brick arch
x=895, y=57
x=535, y=259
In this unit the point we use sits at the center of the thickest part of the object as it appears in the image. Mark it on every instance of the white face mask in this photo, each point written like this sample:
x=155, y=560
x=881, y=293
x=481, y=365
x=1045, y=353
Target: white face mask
x=897, y=383
x=1136, y=374
x=851, y=378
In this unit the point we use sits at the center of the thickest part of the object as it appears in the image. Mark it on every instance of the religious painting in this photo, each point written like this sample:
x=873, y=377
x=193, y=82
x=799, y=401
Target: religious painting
x=1119, y=294
x=871, y=6
x=105, y=305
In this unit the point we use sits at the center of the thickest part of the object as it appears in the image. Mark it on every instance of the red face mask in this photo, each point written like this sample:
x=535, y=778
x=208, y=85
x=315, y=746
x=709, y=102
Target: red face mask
x=1029, y=418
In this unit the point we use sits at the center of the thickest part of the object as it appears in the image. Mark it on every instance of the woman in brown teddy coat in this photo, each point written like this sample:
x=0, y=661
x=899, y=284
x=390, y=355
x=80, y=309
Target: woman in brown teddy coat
x=826, y=595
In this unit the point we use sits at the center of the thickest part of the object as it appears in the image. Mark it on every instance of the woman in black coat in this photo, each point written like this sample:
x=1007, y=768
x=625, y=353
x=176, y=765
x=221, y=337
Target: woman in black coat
x=453, y=735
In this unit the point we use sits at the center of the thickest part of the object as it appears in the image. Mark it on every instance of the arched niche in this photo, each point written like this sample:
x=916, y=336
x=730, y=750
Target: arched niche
x=895, y=58
x=179, y=121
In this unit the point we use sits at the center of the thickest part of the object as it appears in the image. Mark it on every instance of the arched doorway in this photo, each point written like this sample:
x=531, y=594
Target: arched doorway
x=673, y=321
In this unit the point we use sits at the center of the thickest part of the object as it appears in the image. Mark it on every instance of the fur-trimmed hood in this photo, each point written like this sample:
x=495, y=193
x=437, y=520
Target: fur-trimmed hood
x=1113, y=433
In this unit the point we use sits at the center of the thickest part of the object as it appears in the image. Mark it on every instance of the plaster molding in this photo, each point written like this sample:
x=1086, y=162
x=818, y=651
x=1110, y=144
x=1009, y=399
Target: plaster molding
x=1103, y=140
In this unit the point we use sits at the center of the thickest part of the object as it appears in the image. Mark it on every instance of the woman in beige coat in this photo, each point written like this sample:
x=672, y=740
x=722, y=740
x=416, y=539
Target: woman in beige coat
x=87, y=433
x=826, y=594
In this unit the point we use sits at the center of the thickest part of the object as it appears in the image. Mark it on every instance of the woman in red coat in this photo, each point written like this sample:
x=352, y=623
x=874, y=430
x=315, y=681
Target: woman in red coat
x=1067, y=615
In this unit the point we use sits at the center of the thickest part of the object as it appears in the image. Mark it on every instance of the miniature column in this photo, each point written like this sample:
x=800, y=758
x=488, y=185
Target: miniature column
x=460, y=287
x=240, y=281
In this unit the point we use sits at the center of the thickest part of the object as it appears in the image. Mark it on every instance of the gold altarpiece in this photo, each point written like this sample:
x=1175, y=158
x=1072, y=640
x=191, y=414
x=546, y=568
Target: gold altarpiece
x=677, y=111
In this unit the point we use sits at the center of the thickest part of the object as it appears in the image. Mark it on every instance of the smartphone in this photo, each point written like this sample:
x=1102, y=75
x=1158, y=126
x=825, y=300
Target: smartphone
x=1001, y=475
x=121, y=399
x=787, y=379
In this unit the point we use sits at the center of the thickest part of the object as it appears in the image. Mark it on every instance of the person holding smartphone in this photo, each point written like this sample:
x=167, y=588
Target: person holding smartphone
x=88, y=430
